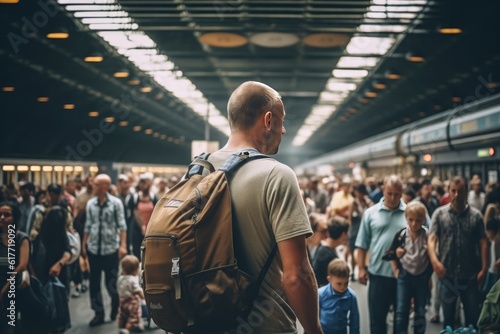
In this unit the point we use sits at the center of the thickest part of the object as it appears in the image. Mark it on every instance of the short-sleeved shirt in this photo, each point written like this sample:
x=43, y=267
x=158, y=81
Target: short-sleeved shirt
x=104, y=224
x=14, y=254
x=416, y=259
x=267, y=208
x=377, y=230
x=320, y=262
x=337, y=311
x=127, y=286
x=459, y=236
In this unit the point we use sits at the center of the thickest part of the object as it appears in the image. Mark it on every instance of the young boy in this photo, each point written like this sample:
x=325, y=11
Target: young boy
x=413, y=269
x=338, y=306
x=131, y=295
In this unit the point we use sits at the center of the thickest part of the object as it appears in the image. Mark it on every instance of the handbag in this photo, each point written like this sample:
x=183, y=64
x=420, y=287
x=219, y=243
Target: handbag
x=58, y=300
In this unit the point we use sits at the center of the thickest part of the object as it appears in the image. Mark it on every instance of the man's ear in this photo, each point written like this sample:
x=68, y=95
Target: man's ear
x=267, y=119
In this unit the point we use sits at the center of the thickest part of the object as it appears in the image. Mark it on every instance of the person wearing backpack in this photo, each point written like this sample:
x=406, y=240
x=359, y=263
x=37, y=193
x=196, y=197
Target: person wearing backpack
x=104, y=243
x=268, y=210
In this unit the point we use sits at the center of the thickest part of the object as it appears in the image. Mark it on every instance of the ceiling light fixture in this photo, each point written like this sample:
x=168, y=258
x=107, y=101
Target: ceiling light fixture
x=148, y=131
x=69, y=106
x=123, y=123
x=42, y=99
x=94, y=58
x=146, y=89
x=11, y=2
x=134, y=82
x=8, y=89
x=223, y=39
x=379, y=85
x=93, y=113
x=449, y=30
x=414, y=57
x=58, y=33
x=371, y=94
x=274, y=39
x=137, y=128
x=121, y=74
x=392, y=75
x=109, y=119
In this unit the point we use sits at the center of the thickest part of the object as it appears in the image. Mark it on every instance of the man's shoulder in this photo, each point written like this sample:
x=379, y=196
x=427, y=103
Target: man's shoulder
x=443, y=209
x=373, y=209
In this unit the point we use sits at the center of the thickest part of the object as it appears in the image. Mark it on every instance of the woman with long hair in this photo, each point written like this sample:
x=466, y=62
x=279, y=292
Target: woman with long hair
x=51, y=248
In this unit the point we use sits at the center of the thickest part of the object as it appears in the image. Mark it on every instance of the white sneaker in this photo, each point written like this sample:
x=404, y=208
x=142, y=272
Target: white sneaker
x=124, y=331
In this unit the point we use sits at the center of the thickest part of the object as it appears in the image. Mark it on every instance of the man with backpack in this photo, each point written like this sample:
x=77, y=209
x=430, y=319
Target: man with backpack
x=268, y=209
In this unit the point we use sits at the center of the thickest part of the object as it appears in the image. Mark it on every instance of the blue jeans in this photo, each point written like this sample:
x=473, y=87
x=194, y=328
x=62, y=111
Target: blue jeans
x=468, y=290
x=408, y=286
x=381, y=294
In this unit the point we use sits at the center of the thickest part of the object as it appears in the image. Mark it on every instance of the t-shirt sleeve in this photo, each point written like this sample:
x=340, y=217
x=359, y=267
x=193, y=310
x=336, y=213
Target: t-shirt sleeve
x=481, y=233
x=287, y=211
x=434, y=228
x=135, y=285
x=364, y=233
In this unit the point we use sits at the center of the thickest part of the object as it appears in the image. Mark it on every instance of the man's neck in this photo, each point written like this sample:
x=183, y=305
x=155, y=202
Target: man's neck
x=101, y=198
x=458, y=209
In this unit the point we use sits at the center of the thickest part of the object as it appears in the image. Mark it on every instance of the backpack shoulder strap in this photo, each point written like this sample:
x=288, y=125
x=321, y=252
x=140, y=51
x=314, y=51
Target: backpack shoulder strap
x=199, y=163
x=236, y=160
x=266, y=267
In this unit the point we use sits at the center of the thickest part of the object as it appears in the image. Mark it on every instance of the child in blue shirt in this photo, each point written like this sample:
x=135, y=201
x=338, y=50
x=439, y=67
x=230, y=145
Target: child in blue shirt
x=338, y=306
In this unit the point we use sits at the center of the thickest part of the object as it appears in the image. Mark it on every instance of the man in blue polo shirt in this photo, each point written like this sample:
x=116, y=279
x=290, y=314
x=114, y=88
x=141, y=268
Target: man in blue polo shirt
x=378, y=226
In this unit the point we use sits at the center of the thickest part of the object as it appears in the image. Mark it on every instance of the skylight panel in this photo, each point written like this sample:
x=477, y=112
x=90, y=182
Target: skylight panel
x=104, y=16
x=349, y=73
x=352, y=62
x=382, y=28
x=341, y=86
x=370, y=45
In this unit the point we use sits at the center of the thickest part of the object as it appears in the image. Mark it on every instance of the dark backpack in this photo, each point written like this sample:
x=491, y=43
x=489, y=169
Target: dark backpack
x=190, y=276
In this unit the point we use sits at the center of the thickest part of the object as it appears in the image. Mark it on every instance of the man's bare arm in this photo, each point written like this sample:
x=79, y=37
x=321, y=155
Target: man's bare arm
x=299, y=283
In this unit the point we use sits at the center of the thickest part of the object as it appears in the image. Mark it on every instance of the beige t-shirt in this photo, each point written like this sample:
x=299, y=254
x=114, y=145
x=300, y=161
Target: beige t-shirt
x=268, y=208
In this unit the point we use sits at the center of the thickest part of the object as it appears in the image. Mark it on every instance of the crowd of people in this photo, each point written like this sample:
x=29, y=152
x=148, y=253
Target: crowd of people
x=395, y=235
x=108, y=219
x=404, y=233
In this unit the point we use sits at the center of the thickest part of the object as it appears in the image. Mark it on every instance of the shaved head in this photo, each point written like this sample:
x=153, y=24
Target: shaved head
x=103, y=178
x=247, y=102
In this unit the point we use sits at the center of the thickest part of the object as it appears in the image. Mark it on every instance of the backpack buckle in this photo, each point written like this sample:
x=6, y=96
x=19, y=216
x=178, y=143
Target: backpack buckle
x=175, y=276
x=175, y=267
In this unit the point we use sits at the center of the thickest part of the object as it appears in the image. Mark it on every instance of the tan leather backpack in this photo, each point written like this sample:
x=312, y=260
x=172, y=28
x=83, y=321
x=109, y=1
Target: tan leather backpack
x=190, y=276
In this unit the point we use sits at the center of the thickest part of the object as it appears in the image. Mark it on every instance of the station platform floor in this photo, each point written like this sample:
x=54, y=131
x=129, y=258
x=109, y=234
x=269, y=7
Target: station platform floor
x=81, y=314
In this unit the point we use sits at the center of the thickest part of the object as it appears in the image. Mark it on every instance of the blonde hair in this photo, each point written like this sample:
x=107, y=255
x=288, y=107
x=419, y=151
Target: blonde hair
x=338, y=268
x=130, y=264
x=417, y=208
